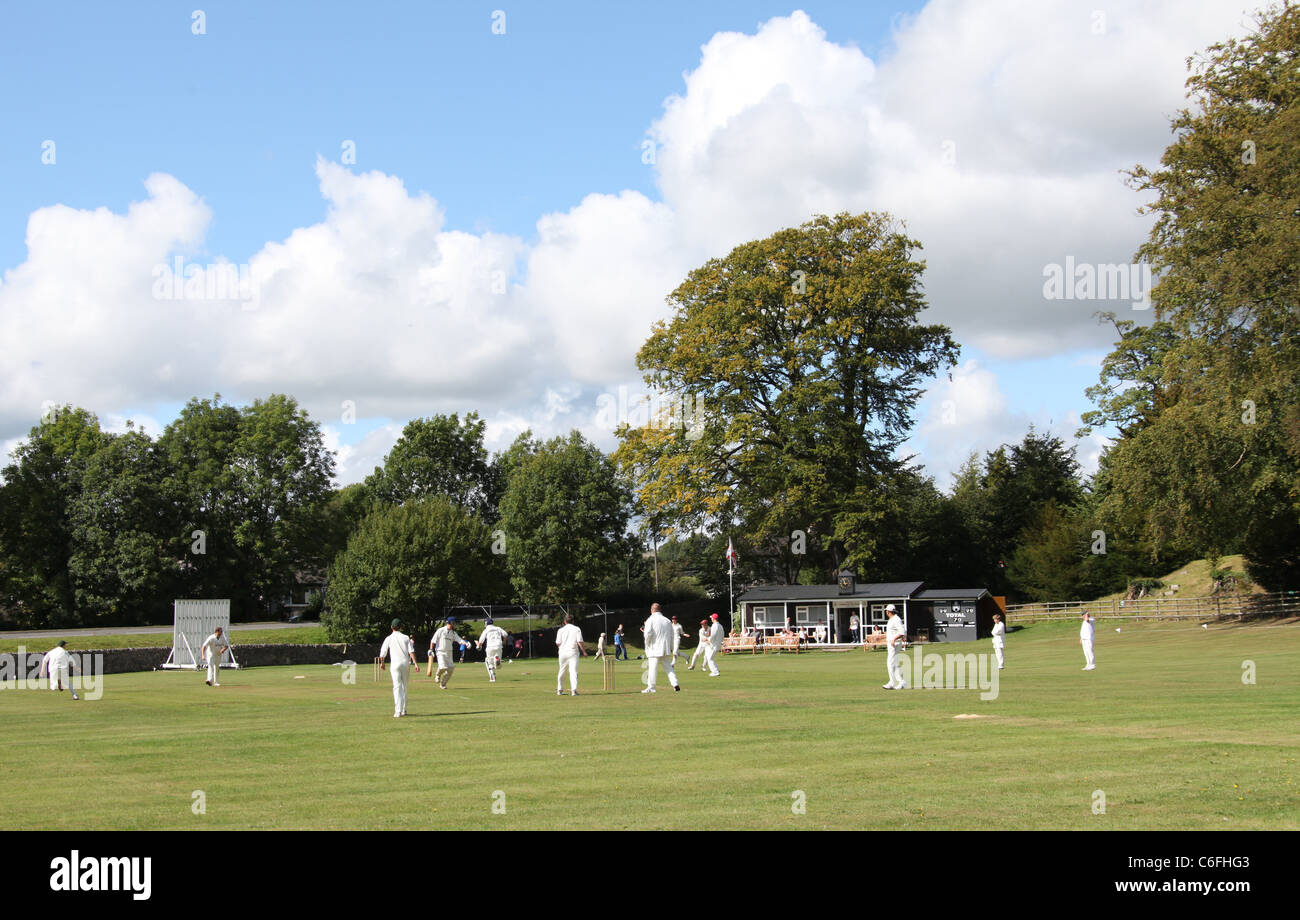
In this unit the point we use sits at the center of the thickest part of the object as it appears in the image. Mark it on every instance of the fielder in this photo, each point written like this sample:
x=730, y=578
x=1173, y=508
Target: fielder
x=999, y=640
x=712, y=646
x=443, y=646
x=213, y=647
x=678, y=634
x=895, y=638
x=402, y=650
x=1087, y=633
x=658, y=649
x=699, y=649
x=56, y=665
x=493, y=640
x=569, y=640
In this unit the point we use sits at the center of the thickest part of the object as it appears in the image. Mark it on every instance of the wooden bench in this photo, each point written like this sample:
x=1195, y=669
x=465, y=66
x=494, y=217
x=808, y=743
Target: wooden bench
x=740, y=644
x=778, y=643
x=874, y=640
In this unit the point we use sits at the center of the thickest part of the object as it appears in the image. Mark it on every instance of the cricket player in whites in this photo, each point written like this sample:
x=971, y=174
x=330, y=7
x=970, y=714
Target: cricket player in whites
x=1000, y=641
x=1087, y=633
x=678, y=634
x=493, y=640
x=402, y=650
x=213, y=647
x=569, y=640
x=658, y=649
x=443, y=647
x=895, y=639
x=56, y=665
x=713, y=645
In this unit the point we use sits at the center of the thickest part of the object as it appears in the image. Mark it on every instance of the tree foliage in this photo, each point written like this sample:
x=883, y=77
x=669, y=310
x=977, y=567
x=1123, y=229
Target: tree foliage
x=409, y=561
x=440, y=455
x=801, y=359
x=565, y=516
x=1208, y=459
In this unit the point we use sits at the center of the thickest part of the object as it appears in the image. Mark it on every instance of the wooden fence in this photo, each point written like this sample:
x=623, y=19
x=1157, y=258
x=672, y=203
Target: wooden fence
x=1212, y=607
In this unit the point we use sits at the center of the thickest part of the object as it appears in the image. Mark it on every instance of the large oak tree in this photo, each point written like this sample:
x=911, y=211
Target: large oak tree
x=799, y=360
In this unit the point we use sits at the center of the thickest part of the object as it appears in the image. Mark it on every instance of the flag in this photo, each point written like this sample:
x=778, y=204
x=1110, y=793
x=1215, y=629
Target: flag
x=732, y=558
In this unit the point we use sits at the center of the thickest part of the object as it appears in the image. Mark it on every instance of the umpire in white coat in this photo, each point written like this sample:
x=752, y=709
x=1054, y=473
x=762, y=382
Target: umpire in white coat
x=658, y=649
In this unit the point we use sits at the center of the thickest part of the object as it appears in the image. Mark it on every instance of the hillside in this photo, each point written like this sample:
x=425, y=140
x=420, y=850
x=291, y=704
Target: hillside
x=1193, y=579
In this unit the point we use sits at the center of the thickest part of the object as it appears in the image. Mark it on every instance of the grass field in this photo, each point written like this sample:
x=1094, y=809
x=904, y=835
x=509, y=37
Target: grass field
x=294, y=635
x=1165, y=728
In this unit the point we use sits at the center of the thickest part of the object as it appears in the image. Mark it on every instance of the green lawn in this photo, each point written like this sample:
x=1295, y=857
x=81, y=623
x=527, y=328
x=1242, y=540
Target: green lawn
x=1165, y=728
x=293, y=635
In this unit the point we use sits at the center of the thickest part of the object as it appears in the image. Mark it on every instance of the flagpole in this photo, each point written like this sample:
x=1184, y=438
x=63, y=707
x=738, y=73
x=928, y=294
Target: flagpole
x=731, y=587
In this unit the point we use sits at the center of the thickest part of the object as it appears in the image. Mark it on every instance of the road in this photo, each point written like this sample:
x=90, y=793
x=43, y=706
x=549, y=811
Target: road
x=136, y=630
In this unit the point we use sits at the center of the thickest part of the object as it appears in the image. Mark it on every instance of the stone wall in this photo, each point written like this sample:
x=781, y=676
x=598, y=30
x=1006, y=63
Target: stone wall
x=122, y=660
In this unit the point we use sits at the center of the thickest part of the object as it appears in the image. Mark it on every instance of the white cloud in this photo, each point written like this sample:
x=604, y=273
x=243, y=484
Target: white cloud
x=971, y=413
x=996, y=129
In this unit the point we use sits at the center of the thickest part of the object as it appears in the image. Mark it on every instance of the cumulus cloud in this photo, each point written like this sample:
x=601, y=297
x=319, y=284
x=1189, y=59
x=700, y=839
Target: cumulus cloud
x=970, y=413
x=996, y=129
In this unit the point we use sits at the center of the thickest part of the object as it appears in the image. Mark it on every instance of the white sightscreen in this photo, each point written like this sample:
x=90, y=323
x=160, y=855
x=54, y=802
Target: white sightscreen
x=194, y=622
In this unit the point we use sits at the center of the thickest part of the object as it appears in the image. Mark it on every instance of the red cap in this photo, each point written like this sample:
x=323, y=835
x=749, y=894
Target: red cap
x=714, y=615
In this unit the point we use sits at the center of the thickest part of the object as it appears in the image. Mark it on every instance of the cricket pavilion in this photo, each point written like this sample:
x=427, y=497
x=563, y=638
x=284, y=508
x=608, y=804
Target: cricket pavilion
x=824, y=614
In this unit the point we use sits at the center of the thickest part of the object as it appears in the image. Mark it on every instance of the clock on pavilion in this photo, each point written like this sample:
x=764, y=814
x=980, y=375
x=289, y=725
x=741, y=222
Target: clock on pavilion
x=848, y=582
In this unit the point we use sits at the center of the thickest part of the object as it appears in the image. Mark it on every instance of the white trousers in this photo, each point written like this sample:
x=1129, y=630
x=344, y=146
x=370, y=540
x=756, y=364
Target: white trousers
x=214, y=662
x=710, y=654
x=1002, y=655
x=401, y=677
x=446, y=664
x=677, y=650
x=570, y=661
x=493, y=652
x=699, y=650
x=1088, y=655
x=653, y=664
x=59, y=678
x=895, y=666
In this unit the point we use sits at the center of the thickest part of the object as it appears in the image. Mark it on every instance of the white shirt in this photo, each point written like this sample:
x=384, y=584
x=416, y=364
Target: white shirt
x=493, y=636
x=568, y=639
x=658, y=636
x=715, y=635
x=56, y=659
x=1087, y=631
x=895, y=630
x=445, y=640
x=853, y=621
x=401, y=647
x=677, y=633
x=999, y=630
x=214, y=644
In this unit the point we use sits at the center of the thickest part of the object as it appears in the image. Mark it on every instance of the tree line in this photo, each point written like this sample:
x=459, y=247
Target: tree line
x=804, y=356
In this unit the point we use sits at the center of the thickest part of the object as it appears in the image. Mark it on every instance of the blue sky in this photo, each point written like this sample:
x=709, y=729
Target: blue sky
x=522, y=154
x=501, y=128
